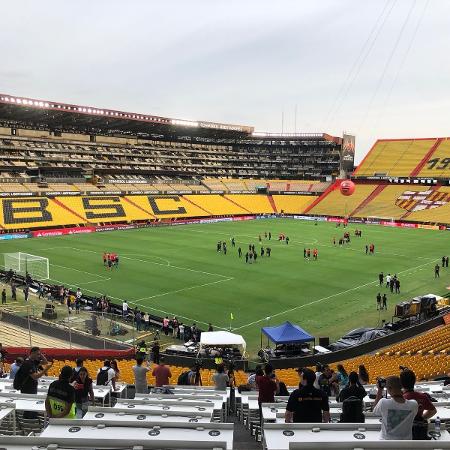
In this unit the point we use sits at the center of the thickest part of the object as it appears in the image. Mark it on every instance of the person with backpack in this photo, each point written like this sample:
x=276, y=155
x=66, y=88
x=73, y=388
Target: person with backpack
x=307, y=404
x=352, y=400
x=106, y=376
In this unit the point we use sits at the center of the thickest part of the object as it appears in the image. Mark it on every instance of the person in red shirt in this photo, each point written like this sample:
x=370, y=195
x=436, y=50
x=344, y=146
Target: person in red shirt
x=162, y=374
x=426, y=408
x=268, y=385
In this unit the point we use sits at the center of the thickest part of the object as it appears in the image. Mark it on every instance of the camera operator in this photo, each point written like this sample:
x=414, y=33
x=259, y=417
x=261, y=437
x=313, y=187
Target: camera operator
x=397, y=413
x=426, y=408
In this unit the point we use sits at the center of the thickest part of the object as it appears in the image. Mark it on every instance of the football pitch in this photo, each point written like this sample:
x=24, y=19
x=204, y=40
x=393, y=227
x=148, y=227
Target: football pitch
x=176, y=270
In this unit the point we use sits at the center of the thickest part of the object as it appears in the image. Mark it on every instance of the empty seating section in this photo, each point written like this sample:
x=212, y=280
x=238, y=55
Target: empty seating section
x=214, y=184
x=235, y=185
x=252, y=185
x=439, y=197
x=13, y=336
x=337, y=204
x=394, y=157
x=13, y=187
x=438, y=163
x=167, y=207
x=257, y=204
x=384, y=204
x=107, y=208
x=34, y=212
x=216, y=204
x=292, y=204
x=299, y=185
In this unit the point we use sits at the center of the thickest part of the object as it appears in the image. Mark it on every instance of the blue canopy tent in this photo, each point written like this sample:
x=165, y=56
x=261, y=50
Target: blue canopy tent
x=287, y=333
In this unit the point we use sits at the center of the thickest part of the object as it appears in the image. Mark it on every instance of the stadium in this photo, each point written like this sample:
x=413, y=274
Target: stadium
x=208, y=278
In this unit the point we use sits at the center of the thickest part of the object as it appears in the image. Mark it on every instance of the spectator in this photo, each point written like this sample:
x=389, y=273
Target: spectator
x=325, y=380
x=155, y=352
x=60, y=401
x=106, y=376
x=268, y=385
x=251, y=380
x=352, y=397
x=162, y=374
x=124, y=309
x=83, y=392
x=15, y=367
x=165, y=325
x=138, y=320
x=140, y=376
x=426, y=409
x=363, y=375
x=3, y=296
x=221, y=379
x=174, y=327
x=181, y=330
x=319, y=369
x=307, y=404
x=76, y=369
x=2, y=359
x=146, y=321
x=341, y=376
x=397, y=414
x=116, y=369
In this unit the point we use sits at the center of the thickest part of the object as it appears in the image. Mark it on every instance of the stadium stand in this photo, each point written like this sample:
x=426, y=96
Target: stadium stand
x=334, y=203
x=436, y=165
x=215, y=204
x=14, y=336
x=256, y=204
x=394, y=158
x=292, y=204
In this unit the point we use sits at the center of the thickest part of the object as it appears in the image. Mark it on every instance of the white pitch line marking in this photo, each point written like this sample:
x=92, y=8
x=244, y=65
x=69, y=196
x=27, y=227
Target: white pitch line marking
x=324, y=298
x=185, y=289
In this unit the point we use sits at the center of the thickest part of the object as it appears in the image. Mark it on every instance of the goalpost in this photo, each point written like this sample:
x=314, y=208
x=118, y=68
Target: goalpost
x=22, y=263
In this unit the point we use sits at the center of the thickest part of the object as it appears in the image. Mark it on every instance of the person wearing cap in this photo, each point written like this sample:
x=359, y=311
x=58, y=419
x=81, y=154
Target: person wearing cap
x=307, y=404
x=60, y=401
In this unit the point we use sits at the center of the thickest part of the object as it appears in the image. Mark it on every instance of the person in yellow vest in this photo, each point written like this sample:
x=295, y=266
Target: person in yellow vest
x=60, y=401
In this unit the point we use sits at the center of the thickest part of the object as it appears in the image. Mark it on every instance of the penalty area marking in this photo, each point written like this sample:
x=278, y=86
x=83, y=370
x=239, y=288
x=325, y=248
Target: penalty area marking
x=319, y=300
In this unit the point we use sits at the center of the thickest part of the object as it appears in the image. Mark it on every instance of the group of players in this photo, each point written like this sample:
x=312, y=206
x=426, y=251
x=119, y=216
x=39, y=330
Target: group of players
x=251, y=255
x=111, y=260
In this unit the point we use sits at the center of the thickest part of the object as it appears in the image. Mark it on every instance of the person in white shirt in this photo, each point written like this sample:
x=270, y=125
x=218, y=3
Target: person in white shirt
x=124, y=309
x=388, y=279
x=15, y=366
x=397, y=414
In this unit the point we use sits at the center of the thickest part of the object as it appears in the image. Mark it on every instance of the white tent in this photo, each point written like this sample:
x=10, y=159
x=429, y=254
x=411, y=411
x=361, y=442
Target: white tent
x=222, y=339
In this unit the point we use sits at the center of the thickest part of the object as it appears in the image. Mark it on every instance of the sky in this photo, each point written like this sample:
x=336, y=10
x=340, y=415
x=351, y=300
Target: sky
x=373, y=68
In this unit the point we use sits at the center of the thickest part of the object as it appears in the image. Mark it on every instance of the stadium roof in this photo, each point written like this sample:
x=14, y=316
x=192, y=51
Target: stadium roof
x=56, y=114
x=35, y=113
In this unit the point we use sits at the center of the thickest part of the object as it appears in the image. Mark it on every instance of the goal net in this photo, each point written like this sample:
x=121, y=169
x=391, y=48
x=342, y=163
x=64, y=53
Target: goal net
x=21, y=263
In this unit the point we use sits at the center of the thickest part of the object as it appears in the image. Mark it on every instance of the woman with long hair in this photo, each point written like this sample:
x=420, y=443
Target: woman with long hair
x=83, y=392
x=363, y=374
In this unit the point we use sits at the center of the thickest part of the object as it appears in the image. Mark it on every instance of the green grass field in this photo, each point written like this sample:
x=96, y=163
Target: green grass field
x=177, y=271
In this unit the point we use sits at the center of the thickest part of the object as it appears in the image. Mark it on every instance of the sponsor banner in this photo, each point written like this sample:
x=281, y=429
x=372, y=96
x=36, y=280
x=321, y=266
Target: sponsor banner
x=243, y=218
x=62, y=231
x=356, y=220
x=296, y=192
x=335, y=219
x=7, y=237
x=218, y=219
x=312, y=218
x=428, y=227
x=18, y=194
x=386, y=223
x=117, y=227
x=347, y=153
x=57, y=193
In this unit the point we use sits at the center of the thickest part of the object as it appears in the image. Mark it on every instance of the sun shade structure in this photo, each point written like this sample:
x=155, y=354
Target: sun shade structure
x=287, y=333
x=222, y=339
